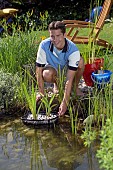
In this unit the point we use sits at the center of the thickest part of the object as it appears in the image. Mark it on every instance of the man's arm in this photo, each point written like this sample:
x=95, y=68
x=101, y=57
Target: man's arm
x=40, y=81
x=67, y=92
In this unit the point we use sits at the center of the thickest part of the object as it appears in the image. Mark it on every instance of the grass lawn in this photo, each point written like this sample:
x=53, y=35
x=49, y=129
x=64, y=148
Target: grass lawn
x=106, y=34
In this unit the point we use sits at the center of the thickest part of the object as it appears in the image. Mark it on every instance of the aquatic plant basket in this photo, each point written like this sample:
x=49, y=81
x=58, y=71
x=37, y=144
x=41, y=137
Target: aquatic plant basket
x=102, y=79
x=41, y=119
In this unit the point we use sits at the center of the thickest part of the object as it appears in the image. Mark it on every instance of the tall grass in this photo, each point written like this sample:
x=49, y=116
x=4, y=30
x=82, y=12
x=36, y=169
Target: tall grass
x=30, y=98
x=15, y=51
x=27, y=92
x=73, y=119
x=20, y=48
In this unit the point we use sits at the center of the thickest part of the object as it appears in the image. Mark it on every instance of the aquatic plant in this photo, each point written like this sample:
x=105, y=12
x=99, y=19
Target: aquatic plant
x=60, y=83
x=47, y=103
x=73, y=117
x=30, y=97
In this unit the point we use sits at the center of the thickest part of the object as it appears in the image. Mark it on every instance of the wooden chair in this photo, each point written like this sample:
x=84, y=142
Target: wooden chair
x=76, y=25
x=8, y=11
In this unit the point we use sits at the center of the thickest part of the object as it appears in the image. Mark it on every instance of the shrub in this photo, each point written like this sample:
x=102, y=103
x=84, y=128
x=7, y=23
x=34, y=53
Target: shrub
x=8, y=86
x=105, y=153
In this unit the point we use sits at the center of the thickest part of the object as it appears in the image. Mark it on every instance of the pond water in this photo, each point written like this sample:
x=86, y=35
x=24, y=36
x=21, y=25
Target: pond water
x=25, y=148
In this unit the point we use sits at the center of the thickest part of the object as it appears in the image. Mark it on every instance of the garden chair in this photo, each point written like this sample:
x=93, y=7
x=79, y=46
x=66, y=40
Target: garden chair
x=7, y=11
x=76, y=25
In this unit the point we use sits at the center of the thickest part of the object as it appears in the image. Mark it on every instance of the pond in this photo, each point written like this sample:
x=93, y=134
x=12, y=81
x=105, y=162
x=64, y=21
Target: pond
x=25, y=148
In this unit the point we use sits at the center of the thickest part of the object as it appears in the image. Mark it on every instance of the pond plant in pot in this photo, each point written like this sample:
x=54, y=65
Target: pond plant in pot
x=92, y=63
x=35, y=116
x=46, y=110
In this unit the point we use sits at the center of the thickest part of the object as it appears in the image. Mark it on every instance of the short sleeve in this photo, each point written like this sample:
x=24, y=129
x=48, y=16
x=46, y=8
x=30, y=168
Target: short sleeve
x=74, y=59
x=41, y=56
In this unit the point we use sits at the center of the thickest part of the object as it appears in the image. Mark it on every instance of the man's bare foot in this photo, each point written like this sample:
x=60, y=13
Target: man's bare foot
x=79, y=92
x=55, y=89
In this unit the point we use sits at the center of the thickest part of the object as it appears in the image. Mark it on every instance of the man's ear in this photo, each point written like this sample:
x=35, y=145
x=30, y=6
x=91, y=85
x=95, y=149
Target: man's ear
x=65, y=35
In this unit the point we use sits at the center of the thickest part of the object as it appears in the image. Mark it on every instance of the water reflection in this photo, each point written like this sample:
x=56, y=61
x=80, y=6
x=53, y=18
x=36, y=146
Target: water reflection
x=24, y=148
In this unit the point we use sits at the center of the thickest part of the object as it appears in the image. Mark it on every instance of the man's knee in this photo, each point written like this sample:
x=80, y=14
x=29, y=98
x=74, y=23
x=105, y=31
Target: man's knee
x=49, y=74
x=81, y=63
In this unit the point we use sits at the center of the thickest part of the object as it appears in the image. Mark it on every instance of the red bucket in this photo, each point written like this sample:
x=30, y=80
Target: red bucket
x=90, y=68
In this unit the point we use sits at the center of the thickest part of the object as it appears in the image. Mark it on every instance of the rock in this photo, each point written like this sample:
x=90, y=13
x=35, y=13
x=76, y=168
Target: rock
x=89, y=120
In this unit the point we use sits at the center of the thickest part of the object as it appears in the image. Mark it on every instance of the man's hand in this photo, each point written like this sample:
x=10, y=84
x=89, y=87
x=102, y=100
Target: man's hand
x=39, y=96
x=68, y=87
x=62, y=108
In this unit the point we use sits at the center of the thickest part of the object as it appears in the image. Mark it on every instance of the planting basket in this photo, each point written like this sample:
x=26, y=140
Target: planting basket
x=41, y=119
x=101, y=80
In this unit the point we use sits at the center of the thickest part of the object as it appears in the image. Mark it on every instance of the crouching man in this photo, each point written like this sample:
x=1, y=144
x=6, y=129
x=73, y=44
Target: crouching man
x=57, y=52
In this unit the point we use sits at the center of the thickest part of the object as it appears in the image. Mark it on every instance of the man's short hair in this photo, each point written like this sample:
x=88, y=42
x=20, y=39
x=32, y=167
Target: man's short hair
x=57, y=25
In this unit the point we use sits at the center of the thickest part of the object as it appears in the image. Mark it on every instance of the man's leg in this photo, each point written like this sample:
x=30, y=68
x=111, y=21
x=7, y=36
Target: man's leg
x=78, y=76
x=50, y=76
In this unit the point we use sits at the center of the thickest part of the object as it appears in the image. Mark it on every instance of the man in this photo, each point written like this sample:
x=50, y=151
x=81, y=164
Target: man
x=54, y=52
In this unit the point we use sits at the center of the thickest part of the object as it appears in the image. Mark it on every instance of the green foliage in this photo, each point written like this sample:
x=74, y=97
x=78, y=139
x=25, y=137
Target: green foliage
x=60, y=83
x=44, y=18
x=8, y=88
x=89, y=136
x=61, y=9
x=105, y=152
x=30, y=98
x=16, y=51
x=73, y=119
x=47, y=103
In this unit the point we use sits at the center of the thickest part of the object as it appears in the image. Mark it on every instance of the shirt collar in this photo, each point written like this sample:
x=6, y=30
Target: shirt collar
x=64, y=49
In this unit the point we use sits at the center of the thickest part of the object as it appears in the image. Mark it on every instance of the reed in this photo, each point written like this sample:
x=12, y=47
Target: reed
x=47, y=104
x=73, y=118
x=29, y=96
x=61, y=83
x=17, y=51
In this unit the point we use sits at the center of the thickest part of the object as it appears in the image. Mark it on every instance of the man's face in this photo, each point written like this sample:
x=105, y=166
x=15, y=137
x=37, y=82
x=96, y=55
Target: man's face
x=57, y=38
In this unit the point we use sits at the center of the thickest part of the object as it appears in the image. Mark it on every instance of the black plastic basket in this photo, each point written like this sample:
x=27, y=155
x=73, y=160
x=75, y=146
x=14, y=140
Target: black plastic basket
x=44, y=120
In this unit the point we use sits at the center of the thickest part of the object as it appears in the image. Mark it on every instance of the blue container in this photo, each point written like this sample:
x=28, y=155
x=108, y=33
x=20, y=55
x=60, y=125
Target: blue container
x=101, y=79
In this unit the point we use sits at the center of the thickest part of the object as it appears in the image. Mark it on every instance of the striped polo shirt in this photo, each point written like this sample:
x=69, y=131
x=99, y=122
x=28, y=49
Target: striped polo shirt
x=48, y=54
